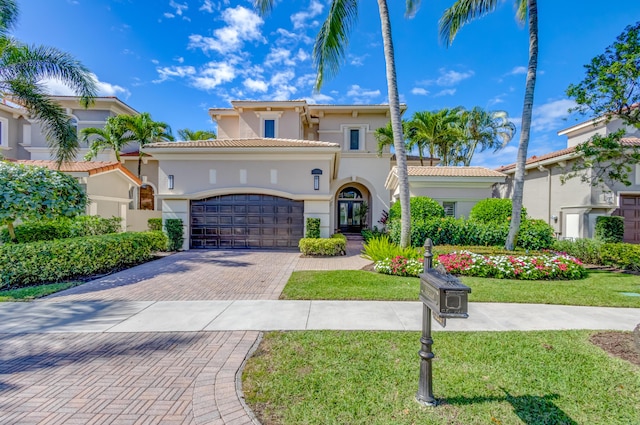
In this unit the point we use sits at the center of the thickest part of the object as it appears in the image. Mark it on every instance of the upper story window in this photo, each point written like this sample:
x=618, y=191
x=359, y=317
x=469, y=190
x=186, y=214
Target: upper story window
x=269, y=128
x=4, y=132
x=354, y=139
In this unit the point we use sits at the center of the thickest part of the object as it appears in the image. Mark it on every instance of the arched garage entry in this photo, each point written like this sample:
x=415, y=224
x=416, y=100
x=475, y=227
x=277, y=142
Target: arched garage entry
x=246, y=221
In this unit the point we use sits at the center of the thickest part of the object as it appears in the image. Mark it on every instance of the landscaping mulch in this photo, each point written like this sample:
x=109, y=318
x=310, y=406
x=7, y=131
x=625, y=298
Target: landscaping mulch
x=619, y=344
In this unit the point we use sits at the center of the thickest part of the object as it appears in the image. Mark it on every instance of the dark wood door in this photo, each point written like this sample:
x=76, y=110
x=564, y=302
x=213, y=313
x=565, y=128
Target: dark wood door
x=630, y=210
x=246, y=221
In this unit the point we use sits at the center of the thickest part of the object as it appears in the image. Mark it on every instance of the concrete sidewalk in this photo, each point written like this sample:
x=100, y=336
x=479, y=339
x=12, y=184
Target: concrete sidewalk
x=263, y=315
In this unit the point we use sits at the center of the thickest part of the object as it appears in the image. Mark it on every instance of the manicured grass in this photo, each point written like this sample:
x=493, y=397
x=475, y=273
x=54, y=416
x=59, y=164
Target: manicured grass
x=600, y=288
x=32, y=292
x=332, y=377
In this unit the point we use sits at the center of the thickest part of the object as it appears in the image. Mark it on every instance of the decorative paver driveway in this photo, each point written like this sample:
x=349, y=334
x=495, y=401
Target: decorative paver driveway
x=194, y=275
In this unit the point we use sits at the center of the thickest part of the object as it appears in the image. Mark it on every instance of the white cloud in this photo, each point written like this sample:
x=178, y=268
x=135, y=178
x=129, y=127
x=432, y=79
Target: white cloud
x=302, y=55
x=179, y=59
x=281, y=81
x=419, y=91
x=300, y=19
x=277, y=56
x=451, y=77
x=493, y=160
x=55, y=87
x=207, y=6
x=445, y=92
x=357, y=60
x=361, y=95
x=255, y=85
x=168, y=15
x=179, y=7
x=306, y=80
x=318, y=98
x=167, y=72
x=214, y=74
x=242, y=25
x=518, y=70
x=549, y=116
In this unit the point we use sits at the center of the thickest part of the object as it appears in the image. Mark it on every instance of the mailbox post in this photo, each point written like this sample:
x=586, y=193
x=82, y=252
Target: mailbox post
x=442, y=296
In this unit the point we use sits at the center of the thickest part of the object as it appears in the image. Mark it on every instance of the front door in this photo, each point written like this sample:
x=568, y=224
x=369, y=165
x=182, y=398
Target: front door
x=350, y=220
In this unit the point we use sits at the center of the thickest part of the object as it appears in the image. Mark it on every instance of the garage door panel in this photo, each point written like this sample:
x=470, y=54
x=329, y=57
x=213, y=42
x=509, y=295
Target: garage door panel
x=630, y=211
x=246, y=221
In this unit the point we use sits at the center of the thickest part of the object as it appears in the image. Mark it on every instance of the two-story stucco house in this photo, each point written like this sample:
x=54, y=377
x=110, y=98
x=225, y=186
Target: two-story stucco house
x=572, y=208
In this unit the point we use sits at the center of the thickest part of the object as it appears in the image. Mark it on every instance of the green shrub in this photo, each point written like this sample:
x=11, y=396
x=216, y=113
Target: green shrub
x=61, y=228
x=62, y=259
x=422, y=208
x=493, y=210
x=378, y=249
x=173, y=226
x=535, y=235
x=154, y=224
x=335, y=245
x=477, y=249
x=452, y=231
x=586, y=250
x=313, y=227
x=368, y=234
x=610, y=229
x=623, y=255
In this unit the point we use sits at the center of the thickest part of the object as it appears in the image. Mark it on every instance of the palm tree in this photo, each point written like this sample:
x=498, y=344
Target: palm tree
x=145, y=130
x=464, y=11
x=485, y=130
x=186, y=134
x=22, y=68
x=329, y=53
x=114, y=135
x=439, y=131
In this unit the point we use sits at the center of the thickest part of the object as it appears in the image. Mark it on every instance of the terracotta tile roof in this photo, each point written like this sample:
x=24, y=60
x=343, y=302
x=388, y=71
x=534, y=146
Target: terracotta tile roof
x=245, y=143
x=628, y=141
x=133, y=154
x=453, y=172
x=90, y=167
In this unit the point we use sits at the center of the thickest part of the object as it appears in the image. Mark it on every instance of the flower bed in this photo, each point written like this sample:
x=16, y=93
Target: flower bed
x=539, y=267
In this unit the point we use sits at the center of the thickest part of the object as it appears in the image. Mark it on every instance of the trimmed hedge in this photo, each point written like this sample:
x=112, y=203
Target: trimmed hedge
x=610, y=229
x=154, y=224
x=335, y=245
x=623, y=255
x=173, y=226
x=313, y=228
x=493, y=210
x=63, y=259
x=47, y=230
x=586, y=250
x=422, y=208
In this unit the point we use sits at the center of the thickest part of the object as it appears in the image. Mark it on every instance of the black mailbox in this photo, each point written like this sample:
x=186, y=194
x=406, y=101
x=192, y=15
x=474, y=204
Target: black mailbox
x=444, y=294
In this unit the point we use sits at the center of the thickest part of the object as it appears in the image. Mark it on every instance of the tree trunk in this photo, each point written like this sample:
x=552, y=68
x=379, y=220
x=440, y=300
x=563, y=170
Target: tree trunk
x=518, y=181
x=139, y=164
x=396, y=125
x=12, y=232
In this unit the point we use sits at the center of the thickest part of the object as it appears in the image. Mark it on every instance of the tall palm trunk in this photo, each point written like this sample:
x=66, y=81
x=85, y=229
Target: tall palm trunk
x=518, y=183
x=396, y=124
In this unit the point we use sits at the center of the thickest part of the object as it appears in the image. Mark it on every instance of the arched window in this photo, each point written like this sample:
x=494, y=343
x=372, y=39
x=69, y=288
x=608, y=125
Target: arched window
x=350, y=193
x=146, y=197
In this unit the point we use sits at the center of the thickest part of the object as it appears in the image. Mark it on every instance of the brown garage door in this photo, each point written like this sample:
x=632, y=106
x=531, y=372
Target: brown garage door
x=246, y=221
x=630, y=210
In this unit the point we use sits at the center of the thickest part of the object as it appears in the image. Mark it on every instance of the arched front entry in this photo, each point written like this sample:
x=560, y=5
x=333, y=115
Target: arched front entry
x=352, y=208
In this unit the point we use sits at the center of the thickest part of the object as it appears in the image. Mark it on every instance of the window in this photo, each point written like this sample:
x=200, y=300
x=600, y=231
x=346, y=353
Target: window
x=270, y=129
x=146, y=197
x=350, y=193
x=4, y=132
x=354, y=139
x=449, y=209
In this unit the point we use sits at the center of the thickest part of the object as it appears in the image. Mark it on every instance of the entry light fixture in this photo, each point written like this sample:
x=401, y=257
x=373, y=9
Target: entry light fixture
x=170, y=182
x=316, y=173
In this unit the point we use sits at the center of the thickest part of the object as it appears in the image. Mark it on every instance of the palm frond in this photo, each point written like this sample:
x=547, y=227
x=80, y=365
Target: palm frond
x=8, y=15
x=521, y=10
x=461, y=13
x=263, y=6
x=333, y=38
x=412, y=8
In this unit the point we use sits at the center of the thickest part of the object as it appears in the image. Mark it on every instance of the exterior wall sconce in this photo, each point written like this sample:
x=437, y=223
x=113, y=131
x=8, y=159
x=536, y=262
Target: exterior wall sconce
x=554, y=218
x=170, y=182
x=316, y=173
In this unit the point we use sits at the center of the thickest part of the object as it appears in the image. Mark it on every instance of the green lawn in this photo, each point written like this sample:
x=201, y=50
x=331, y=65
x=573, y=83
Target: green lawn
x=332, y=377
x=598, y=289
x=32, y=292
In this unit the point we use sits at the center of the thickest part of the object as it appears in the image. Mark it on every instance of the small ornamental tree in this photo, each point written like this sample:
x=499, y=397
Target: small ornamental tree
x=37, y=193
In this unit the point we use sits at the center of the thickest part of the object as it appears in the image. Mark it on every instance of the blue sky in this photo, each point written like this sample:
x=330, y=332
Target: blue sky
x=177, y=58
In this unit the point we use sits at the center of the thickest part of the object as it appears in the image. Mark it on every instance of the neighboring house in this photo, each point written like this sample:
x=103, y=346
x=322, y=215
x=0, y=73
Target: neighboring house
x=572, y=208
x=275, y=164
x=107, y=185
x=457, y=189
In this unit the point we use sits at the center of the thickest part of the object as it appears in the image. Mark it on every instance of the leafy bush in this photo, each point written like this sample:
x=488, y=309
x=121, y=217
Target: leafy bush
x=368, y=234
x=610, y=229
x=61, y=259
x=313, y=227
x=382, y=248
x=535, y=234
x=335, y=245
x=400, y=266
x=422, y=208
x=155, y=224
x=623, y=255
x=476, y=249
x=61, y=228
x=493, y=210
x=513, y=267
x=587, y=250
x=173, y=226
